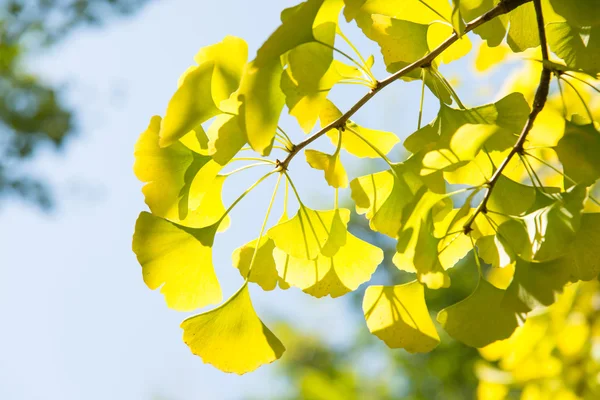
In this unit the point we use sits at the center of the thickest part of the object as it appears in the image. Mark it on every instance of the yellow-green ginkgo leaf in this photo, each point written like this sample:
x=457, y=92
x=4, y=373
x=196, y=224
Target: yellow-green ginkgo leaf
x=263, y=270
x=578, y=152
x=489, y=57
x=382, y=197
x=418, y=11
x=260, y=92
x=493, y=31
x=585, y=252
x=438, y=33
x=198, y=97
x=226, y=138
x=481, y=318
x=351, y=266
x=578, y=47
x=399, y=316
x=417, y=248
x=229, y=58
x=579, y=12
x=181, y=185
x=179, y=260
x=537, y=284
x=310, y=232
x=232, y=337
x=335, y=174
x=463, y=147
x=306, y=98
x=382, y=140
x=510, y=197
x=521, y=36
x=494, y=250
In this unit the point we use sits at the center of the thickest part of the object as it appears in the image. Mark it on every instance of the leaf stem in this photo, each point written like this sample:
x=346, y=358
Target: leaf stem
x=372, y=146
x=254, y=185
x=235, y=171
x=264, y=225
x=423, y=71
x=587, y=109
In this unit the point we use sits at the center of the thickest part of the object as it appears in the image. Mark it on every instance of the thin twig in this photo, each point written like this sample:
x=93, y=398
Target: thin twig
x=503, y=7
x=541, y=95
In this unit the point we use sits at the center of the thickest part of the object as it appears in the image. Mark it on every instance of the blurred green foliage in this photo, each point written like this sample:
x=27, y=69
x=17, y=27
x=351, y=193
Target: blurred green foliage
x=32, y=112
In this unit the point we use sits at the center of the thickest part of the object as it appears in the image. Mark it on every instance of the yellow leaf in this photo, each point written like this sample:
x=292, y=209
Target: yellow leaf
x=232, y=337
x=382, y=140
x=398, y=315
x=309, y=232
x=335, y=174
x=488, y=57
x=438, y=33
x=179, y=259
x=263, y=270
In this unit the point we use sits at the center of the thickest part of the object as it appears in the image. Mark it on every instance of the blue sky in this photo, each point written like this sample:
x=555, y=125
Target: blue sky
x=78, y=321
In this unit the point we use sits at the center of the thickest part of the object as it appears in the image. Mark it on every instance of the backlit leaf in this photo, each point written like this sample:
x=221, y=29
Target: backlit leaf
x=335, y=174
x=232, y=337
x=481, y=318
x=398, y=315
x=263, y=270
x=177, y=259
x=578, y=152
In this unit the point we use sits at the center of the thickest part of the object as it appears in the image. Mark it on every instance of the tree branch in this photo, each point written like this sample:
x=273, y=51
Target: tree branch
x=539, y=101
x=503, y=7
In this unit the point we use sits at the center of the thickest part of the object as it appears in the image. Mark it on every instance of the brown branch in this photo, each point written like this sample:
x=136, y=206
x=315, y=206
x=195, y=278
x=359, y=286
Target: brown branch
x=503, y=7
x=539, y=101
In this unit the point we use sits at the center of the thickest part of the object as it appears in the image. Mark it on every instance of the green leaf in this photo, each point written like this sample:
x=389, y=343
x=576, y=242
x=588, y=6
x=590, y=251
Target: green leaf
x=179, y=260
x=335, y=174
x=417, y=248
x=382, y=197
x=232, y=337
x=492, y=31
x=536, y=284
x=545, y=233
x=578, y=12
x=310, y=232
x=511, y=198
x=383, y=141
x=578, y=152
x=203, y=88
x=398, y=315
x=584, y=255
x=568, y=43
x=481, y=318
x=510, y=113
x=522, y=32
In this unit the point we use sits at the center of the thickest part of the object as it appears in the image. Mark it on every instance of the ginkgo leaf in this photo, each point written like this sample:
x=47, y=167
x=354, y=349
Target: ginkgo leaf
x=382, y=197
x=382, y=140
x=578, y=152
x=520, y=35
x=584, y=255
x=226, y=138
x=179, y=259
x=580, y=13
x=335, y=174
x=263, y=270
x=481, y=318
x=493, y=31
x=488, y=57
x=182, y=185
x=463, y=146
x=232, y=337
x=536, y=284
x=305, y=235
x=438, y=33
x=417, y=248
x=509, y=113
x=570, y=44
x=398, y=315
x=229, y=58
x=260, y=93
x=545, y=233
x=352, y=265
x=494, y=250
x=203, y=88
x=307, y=100
x=418, y=11
x=511, y=198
